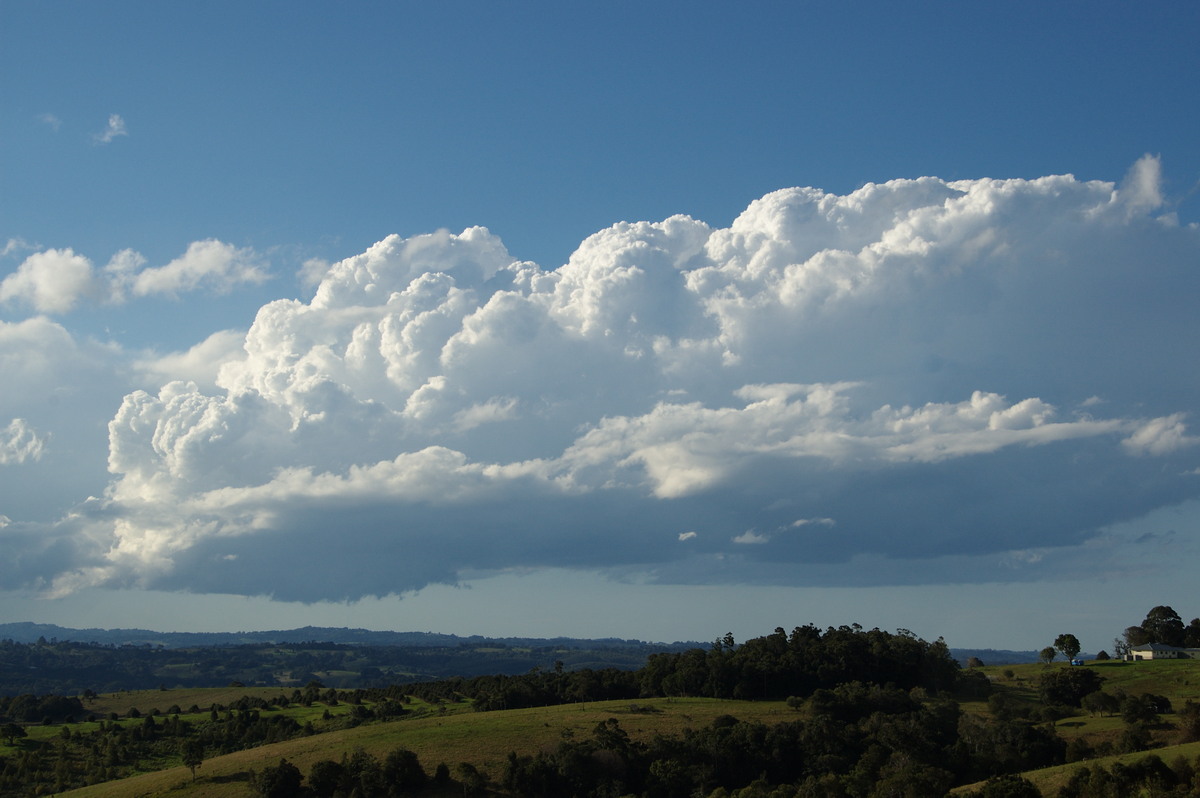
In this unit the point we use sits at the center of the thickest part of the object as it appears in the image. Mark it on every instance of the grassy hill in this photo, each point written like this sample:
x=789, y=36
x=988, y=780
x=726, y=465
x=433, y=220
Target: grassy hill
x=451, y=732
x=453, y=735
x=1178, y=680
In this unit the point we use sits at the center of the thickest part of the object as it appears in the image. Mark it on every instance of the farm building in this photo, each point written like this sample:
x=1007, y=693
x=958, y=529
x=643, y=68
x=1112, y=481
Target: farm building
x=1161, y=651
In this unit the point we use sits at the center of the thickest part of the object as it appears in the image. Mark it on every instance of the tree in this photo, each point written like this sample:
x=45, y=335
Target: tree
x=1047, y=655
x=192, y=754
x=1067, y=644
x=403, y=772
x=278, y=781
x=325, y=777
x=11, y=732
x=1191, y=635
x=1163, y=625
x=1101, y=703
x=1067, y=686
x=1008, y=786
x=474, y=781
x=1132, y=636
x=1139, y=709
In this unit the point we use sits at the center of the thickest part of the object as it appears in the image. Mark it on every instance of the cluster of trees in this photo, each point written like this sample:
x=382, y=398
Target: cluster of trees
x=1161, y=625
x=113, y=749
x=776, y=666
x=399, y=773
x=29, y=708
x=859, y=741
x=1147, y=776
x=1066, y=644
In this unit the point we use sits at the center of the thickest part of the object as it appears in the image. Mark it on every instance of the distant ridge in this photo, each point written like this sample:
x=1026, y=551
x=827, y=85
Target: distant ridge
x=27, y=632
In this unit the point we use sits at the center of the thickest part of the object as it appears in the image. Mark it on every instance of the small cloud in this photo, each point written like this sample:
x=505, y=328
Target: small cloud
x=50, y=120
x=1160, y=436
x=15, y=245
x=687, y=536
x=1022, y=557
x=1091, y=401
x=750, y=537
x=813, y=521
x=51, y=282
x=490, y=412
x=20, y=442
x=211, y=263
x=116, y=127
x=1141, y=191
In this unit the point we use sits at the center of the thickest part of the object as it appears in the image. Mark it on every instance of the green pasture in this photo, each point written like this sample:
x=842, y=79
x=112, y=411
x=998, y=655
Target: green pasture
x=483, y=739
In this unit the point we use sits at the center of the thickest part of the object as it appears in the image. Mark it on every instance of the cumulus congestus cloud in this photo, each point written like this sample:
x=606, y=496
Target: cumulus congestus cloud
x=929, y=371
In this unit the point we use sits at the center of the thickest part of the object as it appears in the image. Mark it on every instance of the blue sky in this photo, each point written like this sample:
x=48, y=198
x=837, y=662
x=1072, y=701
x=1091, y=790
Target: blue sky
x=522, y=318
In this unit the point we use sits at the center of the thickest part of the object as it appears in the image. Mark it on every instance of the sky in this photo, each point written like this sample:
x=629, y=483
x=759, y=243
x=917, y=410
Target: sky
x=642, y=320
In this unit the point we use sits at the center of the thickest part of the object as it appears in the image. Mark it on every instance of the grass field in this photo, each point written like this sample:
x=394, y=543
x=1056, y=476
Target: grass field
x=1178, y=680
x=483, y=739
x=453, y=733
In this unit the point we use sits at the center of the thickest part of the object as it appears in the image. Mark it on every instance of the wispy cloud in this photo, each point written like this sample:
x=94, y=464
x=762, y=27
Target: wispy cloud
x=50, y=120
x=15, y=245
x=20, y=442
x=115, y=129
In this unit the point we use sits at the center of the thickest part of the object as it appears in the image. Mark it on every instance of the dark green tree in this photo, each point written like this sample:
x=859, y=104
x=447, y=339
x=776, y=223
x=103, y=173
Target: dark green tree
x=1067, y=686
x=1067, y=645
x=11, y=732
x=278, y=781
x=1047, y=655
x=1163, y=625
x=1101, y=703
x=1008, y=786
x=403, y=772
x=191, y=752
x=325, y=777
x=1139, y=709
x=1191, y=634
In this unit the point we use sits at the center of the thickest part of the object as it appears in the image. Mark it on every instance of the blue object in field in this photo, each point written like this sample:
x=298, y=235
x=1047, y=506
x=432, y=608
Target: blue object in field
x=1076, y=662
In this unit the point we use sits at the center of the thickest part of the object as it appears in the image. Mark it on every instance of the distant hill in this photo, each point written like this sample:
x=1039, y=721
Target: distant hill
x=26, y=632
x=994, y=656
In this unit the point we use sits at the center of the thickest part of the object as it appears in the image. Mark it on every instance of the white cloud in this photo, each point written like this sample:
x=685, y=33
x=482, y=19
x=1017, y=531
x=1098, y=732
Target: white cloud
x=211, y=263
x=113, y=130
x=1161, y=436
x=200, y=364
x=892, y=359
x=1141, y=190
x=14, y=245
x=56, y=280
x=52, y=281
x=61, y=389
x=51, y=121
x=750, y=538
x=20, y=442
